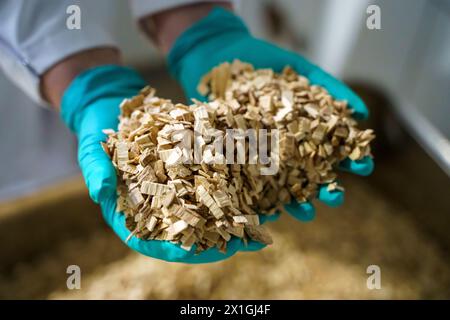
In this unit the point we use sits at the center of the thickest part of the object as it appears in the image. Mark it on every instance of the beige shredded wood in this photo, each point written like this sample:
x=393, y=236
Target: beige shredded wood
x=166, y=195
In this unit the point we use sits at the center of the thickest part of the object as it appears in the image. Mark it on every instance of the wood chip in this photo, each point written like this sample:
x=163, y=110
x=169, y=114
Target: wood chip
x=151, y=223
x=154, y=189
x=221, y=198
x=177, y=227
x=208, y=201
x=136, y=198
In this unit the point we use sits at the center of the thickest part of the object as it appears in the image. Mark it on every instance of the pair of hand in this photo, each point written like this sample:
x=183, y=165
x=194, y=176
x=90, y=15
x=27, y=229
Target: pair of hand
x=91, y=104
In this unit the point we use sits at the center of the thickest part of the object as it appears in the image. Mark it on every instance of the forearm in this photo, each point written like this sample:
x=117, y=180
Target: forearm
x=165, y=27
x=56, y=79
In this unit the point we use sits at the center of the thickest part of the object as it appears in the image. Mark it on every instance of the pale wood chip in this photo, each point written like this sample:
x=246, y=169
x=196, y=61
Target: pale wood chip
x=222, y=199
x=208, y=201
x=177, y=227
x=151, y=224
x=154, y=189
x=136, y=198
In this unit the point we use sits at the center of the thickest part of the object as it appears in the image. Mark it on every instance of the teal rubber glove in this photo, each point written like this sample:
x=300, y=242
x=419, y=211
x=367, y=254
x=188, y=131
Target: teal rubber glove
x=91, y=104
x=222, y=36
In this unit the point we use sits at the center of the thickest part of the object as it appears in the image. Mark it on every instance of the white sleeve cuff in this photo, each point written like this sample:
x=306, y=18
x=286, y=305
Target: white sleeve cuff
x=58, y=46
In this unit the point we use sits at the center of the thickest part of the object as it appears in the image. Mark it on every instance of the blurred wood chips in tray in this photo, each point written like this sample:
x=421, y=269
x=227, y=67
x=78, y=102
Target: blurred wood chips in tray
x=166, y=195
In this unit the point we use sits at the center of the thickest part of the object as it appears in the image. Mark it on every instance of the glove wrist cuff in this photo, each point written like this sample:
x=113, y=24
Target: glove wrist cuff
x=218, y=23
x=109, y=81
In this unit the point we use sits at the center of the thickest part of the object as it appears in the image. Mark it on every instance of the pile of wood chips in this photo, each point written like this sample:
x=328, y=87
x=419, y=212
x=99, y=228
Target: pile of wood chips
x=166, y=195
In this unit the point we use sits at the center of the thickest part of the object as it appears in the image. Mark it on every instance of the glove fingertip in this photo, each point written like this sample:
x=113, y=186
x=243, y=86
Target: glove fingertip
x=254, y=246
x=303, y=211
x=363, y=167
x=333, y=198
x=360, y=111
x=263, y=218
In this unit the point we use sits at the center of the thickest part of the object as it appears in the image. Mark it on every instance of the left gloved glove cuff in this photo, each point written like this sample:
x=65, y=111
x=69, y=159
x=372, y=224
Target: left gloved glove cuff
x=218, y=23
x=109, y=81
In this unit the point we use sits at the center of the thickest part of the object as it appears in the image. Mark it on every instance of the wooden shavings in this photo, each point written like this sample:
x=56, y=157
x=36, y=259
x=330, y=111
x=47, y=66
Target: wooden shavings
x=222, y=199
x=154, y=189
x=334, y=186
x=151, y=223
x=177, y=227
x=208, y=201
x=166, y=195
x=122, y=154
x=136, y=198
x=240, y=219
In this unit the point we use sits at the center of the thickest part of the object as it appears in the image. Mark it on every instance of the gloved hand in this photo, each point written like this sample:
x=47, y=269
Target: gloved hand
x=91, y=104
x=222, y=36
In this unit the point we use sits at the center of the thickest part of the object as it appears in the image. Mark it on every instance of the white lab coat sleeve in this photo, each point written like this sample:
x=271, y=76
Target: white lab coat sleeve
x=142, y=8
x=34, y=36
